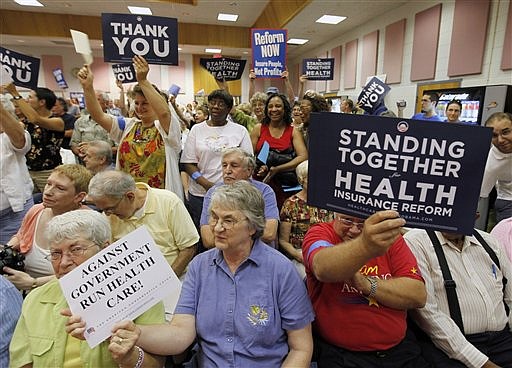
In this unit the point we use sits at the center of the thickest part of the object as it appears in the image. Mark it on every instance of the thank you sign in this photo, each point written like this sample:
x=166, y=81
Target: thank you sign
x=23, y=69
x=121, y=282
x=372, y=96
x=318, y=69
x=430, y=174
x=124, y=72
x=224, y=68
x=127, y=35
x=268, y=52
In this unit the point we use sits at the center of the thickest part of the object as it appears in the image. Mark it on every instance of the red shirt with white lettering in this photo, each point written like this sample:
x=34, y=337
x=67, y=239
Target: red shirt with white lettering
x=346, y=318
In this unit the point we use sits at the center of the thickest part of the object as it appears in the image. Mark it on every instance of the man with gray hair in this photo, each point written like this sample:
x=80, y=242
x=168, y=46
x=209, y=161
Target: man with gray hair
x=98, y=157
x=129, y=205
x=87, y=130
x=238, y=164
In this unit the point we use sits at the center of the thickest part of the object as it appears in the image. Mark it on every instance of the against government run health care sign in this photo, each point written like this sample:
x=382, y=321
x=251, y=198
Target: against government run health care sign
x=127, y=35
x=430, y=172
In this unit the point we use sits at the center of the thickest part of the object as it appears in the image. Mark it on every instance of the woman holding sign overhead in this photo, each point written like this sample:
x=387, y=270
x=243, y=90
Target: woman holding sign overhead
x=286, y=148
x=150, y=143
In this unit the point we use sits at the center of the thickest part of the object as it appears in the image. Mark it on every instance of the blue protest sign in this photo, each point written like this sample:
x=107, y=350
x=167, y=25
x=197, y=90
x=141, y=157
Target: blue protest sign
x=372, y=95
x=59, y=78
x=268, y=52
x=23, y=69
x=318, y=69
x=224, y=68
x=127, y=35
x=431, y=175
x=79, y=96
x=174, y=90
x=124, y=72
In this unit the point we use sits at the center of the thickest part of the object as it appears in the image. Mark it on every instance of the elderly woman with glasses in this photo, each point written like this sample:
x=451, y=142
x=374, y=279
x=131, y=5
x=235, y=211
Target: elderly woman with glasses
x=204, y=146
x=243, y=302
x=40, y=338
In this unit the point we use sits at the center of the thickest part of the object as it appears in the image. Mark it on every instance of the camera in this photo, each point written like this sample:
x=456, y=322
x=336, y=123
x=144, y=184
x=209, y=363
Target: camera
x=11, y=258
x=401, y=103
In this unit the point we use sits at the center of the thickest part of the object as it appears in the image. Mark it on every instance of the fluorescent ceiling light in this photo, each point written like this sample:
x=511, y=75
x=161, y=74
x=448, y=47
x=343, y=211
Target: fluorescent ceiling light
x=330, y=19
x=140, y=10
x=28, y=2
x=227, y=17
x=179, y=49
x=213, y=51
x=297, y=41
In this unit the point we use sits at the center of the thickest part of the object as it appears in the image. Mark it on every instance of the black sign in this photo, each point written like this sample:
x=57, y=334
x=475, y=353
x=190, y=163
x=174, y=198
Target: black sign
x=127, y=35
x=23, y=69
x=429, y=172
x=224, y=68
x=318, y=69
x=124, y=72
x=372, y=96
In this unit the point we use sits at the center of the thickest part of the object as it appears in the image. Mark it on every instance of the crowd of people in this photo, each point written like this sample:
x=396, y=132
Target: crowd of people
x=267, y=279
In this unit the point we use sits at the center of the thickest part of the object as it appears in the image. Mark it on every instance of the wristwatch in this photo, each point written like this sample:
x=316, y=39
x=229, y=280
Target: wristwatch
x=17, y=97
x=373, y=287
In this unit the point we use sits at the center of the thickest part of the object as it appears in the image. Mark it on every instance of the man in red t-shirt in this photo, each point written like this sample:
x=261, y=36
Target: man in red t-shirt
x=361, y=281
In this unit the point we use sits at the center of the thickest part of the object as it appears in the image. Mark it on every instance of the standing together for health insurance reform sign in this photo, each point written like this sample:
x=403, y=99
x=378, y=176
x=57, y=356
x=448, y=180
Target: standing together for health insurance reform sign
x=121, y=282
x=430, y=172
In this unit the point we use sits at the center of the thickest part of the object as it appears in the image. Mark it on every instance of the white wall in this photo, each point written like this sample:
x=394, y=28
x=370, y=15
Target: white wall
x=491, y=73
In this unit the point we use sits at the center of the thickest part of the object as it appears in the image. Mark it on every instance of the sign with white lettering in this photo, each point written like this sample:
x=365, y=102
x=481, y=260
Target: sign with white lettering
x=23, y=69
x=268, y=52
x=79, y=96
x=121, y=282
x=318, y=69
x=372, y=96
x=59, y=78
x=127, y=35
x=431, y=175
x=124, y=72
x=224, y=68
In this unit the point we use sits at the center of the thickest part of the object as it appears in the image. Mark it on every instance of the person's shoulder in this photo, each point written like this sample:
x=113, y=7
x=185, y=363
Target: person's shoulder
x=415, y=234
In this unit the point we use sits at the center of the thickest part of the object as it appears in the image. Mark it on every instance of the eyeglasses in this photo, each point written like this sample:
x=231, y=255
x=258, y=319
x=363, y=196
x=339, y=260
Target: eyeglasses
x=73, y=253
x=226, y=224
x=219, y=104
x=350, y=223
x=113, y=208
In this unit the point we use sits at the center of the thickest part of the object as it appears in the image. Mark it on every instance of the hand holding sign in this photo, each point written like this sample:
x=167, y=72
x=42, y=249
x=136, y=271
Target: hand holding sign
x=75, y=326
x=85, y=77
x=380, y=231
x=141, y=68
x=124, y=336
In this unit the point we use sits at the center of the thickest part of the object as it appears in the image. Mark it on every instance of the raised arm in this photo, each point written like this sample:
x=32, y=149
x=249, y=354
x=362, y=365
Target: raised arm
x=155, y=99
x=340, y=263
x=13, y=128
x=122, y=102
x=86, y=79
x=288, y=86
x=50, y=123
x=252, y=83
x=302, y=81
